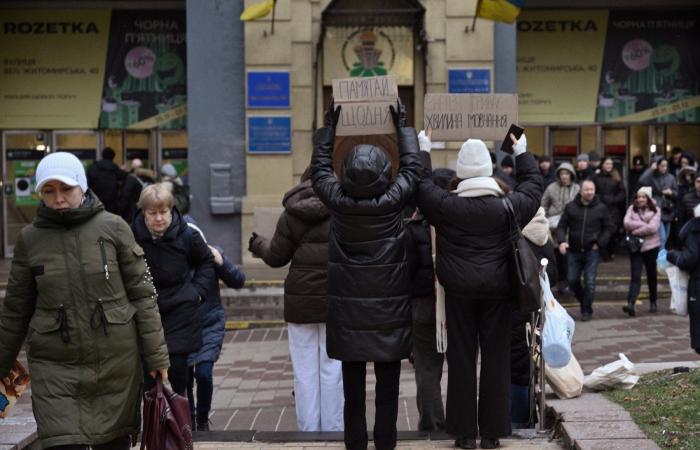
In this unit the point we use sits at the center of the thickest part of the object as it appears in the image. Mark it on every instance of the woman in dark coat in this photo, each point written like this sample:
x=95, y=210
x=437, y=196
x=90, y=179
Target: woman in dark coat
x=302, y=238
x=213, y=321
x=689, y=260
x=611, y=191
x=183, y=269
x=369, y=309
x=473, y=264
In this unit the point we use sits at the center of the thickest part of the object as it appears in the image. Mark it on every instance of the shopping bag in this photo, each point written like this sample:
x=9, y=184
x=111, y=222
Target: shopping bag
x=619, y=374
x=558, y=330
x=567, y=381
x=678, y=279
x=12, y=387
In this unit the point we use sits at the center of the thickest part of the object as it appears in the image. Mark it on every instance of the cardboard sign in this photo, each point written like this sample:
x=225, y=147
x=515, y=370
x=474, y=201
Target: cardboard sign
x=457, y=117
x=365, y=105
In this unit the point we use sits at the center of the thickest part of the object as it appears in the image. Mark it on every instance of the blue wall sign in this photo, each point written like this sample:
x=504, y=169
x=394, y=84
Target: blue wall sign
x=469, y=81
x=269, y=134
x=268, y=90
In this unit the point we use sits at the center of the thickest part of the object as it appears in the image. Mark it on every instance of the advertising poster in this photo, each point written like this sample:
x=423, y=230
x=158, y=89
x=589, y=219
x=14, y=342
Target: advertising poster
x=559, y=64
x=368, y=52
x=651, y=67
x=52, y=67
x=145, y=76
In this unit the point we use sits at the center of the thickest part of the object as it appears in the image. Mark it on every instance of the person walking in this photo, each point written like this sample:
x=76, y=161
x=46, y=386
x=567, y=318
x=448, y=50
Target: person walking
x=688, y=259
x=665, y=191
x=134, y=183
x=556, y=196
x=548, y=175
x=369, y=297
x=104, y=178
x=611, y=192
x=642, y=221
x=183, y=270
x=584, y=171
x=473, y=239
x=638, y=168
x=689, y=201
x=80, y=291
x=302, y=238
x=583, y=230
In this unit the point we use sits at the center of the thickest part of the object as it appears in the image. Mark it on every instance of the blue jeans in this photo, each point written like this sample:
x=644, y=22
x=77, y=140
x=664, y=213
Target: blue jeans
x=586, y=262
x=203, y=373
x=664, y=232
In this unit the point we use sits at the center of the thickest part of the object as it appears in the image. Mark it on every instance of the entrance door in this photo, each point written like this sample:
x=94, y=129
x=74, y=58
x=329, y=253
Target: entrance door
x=137, y=145
x=22, y=151
x=564, y=144
x=81, y=143
x=172, y=147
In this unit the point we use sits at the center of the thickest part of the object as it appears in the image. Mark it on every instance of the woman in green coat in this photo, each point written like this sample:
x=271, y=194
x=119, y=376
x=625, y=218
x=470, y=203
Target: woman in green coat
x=81, y=293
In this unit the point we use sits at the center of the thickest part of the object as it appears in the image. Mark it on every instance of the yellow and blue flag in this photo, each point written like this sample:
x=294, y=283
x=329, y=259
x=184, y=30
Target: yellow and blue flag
x=499, y=10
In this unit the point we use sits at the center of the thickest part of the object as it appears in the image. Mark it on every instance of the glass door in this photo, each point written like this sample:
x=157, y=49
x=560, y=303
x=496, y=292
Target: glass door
x=22, y=151
x=173, y=150
x=138, y=146
x=564, y=144
x=81, y=143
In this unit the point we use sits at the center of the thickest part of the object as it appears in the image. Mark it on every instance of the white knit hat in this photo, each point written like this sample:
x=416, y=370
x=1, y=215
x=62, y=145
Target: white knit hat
x=61, y=166
x=646, y=190
x=474, y=160
x=696, y=211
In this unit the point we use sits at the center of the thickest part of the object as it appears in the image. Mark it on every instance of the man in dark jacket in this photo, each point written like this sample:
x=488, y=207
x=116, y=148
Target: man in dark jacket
x=302, y=238
x=638, y=168
x=689, y=202
x=134, y=183
x=548, y=175
x=611, y=191
x=104, y=178
x=369, y=309
x=587, y=224
x=689, y=260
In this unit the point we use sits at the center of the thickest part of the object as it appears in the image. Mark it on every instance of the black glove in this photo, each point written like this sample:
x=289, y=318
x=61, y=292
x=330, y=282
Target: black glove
x=331, y=117
x=398, y=114
x=252, y=239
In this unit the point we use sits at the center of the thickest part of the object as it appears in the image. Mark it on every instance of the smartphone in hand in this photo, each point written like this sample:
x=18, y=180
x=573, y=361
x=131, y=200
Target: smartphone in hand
x=507, y=145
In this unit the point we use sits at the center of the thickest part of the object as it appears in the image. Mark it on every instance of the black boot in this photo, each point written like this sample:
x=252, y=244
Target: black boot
x=465, y=442
x=490, y=443
x=629, y=308
x=652, y=307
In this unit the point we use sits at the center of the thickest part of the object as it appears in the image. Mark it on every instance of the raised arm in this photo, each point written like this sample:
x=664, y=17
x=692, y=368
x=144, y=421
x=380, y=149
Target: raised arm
x=278, y=251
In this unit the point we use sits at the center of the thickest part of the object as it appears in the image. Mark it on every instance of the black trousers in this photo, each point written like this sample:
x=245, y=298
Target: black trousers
x=386, y=404
x=122, y=443
x=474, y=325
x=428, y=366
x=647, y=260
x=178, y=375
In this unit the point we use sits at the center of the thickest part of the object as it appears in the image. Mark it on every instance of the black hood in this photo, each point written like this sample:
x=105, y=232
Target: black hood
x=366, y=172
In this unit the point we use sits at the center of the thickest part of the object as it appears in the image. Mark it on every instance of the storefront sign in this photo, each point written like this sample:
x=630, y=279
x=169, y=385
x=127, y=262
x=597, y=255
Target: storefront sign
x=365, y=104
x=146, y=70
x=52, y=66
x=469, y=81
x=367, y=52
x=559, y=64
x=269, y=134
x=268, y=90
x=651, y=67
x=457, y=117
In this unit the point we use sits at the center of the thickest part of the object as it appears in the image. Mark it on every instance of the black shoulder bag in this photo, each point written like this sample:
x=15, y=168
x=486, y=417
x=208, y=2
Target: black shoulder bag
x=525, y=278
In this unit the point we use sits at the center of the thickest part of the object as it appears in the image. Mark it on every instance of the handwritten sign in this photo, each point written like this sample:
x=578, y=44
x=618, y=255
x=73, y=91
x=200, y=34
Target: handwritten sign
x=457, y=117
x=365, y=105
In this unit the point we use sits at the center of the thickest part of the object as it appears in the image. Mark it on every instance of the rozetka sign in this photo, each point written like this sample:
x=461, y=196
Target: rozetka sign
x=457, y=117
x=365, y=105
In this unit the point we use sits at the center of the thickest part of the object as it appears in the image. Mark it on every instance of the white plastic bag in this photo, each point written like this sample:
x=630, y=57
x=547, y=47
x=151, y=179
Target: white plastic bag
x=678, y=279
x=661, y=261
x=567, y=381
x=558, y=331
x=616, y=375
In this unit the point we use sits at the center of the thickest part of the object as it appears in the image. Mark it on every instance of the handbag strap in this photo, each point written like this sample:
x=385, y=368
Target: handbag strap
x=513, y=226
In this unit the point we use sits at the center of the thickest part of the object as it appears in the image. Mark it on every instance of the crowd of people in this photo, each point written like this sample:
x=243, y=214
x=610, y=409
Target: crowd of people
x=378, y=258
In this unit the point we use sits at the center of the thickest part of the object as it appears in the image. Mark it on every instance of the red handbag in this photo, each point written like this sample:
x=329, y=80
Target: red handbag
x=167, y=424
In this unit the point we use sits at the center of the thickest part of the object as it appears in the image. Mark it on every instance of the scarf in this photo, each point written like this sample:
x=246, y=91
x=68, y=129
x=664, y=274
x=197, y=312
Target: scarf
x=479, y=187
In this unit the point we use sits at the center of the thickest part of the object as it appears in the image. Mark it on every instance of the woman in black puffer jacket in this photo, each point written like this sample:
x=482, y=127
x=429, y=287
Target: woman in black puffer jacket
x=183, y=269
x=473, y=264
x=611, y=191
x=302, y=238
x=369, y=290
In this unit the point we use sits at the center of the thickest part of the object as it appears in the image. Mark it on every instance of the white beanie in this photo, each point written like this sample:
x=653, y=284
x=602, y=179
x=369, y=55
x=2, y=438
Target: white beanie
x=646, y=190
x=474, y=160
x=696, y=211
x=168, y=170
x=61, y=166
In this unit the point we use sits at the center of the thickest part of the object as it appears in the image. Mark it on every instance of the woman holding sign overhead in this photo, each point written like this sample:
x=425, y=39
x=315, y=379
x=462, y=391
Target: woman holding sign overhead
x=473, y=253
